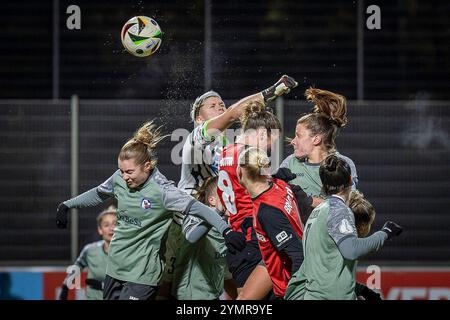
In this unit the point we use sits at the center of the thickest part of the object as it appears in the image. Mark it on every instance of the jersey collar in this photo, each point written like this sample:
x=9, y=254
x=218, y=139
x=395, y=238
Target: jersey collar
x=339, y=197
x=268, y=189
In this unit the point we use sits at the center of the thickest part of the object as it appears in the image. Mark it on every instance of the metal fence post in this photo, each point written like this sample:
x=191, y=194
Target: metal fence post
x=55, y=62
x=207, y=62
x=279, y=109
x=360, y=51
x=74, y=154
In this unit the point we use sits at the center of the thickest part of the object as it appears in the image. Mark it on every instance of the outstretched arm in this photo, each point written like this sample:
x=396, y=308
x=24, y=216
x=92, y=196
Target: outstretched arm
x=194, y=228
x=90, y=198
x=218, y=124
x=176, y=200
x=352, y=248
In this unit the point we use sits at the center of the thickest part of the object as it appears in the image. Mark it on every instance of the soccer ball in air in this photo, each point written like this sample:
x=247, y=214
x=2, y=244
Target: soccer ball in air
x=141, y=36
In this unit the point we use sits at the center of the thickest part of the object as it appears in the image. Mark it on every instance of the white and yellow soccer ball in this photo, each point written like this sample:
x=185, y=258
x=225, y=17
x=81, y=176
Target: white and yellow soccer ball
x=141, y=36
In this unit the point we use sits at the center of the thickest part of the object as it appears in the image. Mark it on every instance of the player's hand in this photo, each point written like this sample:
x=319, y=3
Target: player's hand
x=64, y=293
x=283, y=86
x=61, y=216
x=235, y=241
x=368, y=294
x=284, y=174
x=304, y=202
x=392, y=229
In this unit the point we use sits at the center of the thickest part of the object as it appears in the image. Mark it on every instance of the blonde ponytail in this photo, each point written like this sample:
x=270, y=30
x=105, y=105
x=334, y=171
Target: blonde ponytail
x=256, y=163
x=142, y=145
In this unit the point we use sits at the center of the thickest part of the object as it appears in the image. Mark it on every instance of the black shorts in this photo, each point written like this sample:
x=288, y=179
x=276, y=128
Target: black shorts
x=241, y=264
x=123, y=290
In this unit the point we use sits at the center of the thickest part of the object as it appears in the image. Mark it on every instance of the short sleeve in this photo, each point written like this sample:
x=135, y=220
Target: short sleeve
x=341, y=222
x=200, y=135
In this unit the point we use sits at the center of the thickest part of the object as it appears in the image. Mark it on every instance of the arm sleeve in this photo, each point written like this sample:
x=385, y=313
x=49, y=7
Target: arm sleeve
x=341, y=228
x=341, y=222
x=95, y=196
x=176, y=200
x=353, y=248
x=281, y=234
x=209, y=215
x=194, y=228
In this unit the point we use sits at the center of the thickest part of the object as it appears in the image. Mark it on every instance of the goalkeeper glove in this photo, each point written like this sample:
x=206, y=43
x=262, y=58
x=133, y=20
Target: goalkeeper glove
x=283, y=86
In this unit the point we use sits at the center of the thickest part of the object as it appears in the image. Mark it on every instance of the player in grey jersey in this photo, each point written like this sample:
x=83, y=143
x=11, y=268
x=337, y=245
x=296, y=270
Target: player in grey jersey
x=146, y=201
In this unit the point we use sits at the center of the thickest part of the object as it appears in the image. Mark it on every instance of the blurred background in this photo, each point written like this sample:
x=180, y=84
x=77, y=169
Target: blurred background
x=396, y=78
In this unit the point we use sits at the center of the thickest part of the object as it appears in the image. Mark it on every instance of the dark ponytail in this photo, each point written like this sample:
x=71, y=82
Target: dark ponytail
x=335, y=174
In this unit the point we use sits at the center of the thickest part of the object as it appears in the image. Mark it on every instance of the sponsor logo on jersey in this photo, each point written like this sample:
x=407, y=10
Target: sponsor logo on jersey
x=345, y=227
x=128, y=219
x=146, y=204
x=282, y=236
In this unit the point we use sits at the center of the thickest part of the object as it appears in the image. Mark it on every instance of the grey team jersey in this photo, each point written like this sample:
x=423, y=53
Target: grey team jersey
x=198, y=269
x=94, y=259
x=201, y=154
x=308, y=177
x=143, y=218
x=325, y=274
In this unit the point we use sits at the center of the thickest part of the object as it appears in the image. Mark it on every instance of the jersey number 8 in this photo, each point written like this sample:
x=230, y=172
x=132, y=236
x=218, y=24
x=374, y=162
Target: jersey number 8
x=228, y=197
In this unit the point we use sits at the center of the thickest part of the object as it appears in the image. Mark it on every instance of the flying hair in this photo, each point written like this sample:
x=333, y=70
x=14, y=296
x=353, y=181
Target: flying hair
x=328, y=115
x=330, y=104
x=142, y=145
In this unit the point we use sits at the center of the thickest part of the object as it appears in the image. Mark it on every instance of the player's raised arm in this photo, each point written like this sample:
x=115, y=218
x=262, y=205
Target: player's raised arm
x=232, y=114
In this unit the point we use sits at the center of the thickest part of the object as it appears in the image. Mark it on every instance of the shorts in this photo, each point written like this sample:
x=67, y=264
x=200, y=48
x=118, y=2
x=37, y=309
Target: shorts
x=123, y=290
x=241, y=264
